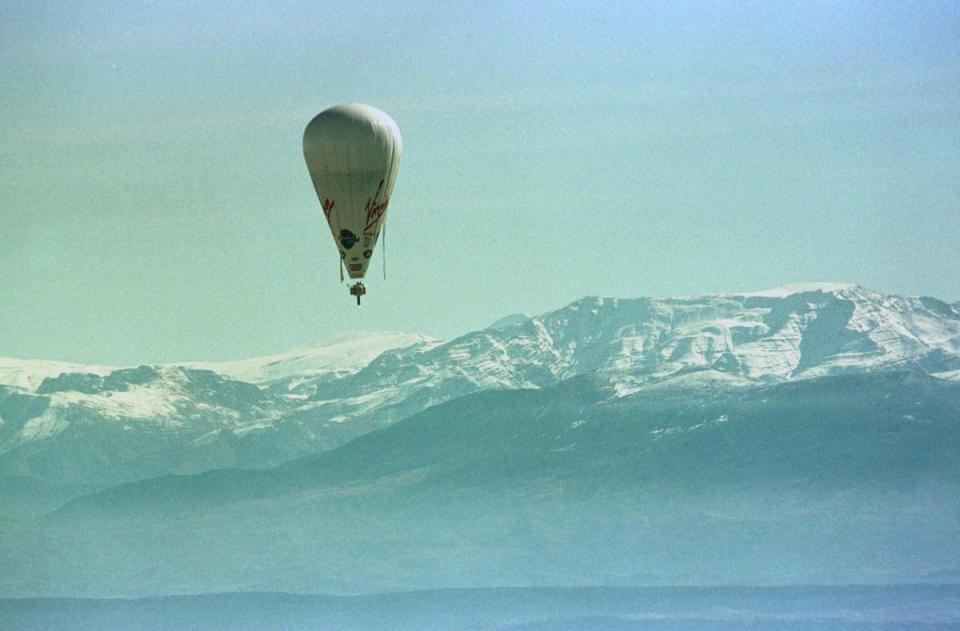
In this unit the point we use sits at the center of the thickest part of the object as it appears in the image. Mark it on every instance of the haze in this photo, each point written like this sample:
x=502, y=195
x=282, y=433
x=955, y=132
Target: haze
x=155, y=205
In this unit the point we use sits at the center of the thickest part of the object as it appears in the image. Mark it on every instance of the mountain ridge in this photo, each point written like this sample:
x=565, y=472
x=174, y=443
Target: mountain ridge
x=573, y=401
x=845, y=478
x=187, y=418
x=797, y=438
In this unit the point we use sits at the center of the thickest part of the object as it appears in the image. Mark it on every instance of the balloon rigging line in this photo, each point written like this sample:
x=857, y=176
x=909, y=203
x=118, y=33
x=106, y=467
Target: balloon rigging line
x=340, y=258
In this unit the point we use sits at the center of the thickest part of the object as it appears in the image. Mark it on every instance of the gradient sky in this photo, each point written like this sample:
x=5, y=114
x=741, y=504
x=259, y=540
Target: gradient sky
x=154, y=204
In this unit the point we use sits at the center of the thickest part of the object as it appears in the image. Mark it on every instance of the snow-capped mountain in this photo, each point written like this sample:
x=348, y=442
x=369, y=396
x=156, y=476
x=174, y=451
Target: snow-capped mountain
x=846, y=479
x=338, y=357
x=28, y=374
x=263, y=411
x=135, y=423
x=792, y=332
x=95, y=424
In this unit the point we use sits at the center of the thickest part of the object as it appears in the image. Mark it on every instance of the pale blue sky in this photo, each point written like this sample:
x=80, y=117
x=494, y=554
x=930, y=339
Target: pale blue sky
x=154, y=205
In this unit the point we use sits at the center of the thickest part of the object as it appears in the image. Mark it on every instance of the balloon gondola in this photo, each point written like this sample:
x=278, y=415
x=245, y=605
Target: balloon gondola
x=358, y=290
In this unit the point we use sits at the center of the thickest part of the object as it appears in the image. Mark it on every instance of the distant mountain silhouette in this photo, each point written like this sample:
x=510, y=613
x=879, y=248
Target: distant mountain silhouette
x=847, y=478
x=106, y=426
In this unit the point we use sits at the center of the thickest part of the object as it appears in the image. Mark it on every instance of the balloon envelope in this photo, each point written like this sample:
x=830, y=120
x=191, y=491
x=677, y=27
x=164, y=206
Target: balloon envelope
x=352, y=152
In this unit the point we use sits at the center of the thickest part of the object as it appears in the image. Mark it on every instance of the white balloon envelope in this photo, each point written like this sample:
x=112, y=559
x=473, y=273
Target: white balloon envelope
x=352, y=153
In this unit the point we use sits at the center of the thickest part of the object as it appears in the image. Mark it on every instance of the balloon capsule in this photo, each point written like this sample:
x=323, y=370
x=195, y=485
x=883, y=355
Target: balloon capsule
x=358, y=290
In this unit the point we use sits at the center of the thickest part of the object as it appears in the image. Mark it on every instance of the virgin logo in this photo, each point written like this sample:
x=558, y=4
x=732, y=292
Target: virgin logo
x=327, y=207
x=375, y=211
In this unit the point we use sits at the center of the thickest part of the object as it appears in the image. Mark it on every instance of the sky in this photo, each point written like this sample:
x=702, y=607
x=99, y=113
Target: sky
x=155, y=207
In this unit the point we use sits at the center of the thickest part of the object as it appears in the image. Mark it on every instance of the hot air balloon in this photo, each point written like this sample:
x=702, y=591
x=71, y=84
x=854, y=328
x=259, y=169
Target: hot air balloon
x=352, y=153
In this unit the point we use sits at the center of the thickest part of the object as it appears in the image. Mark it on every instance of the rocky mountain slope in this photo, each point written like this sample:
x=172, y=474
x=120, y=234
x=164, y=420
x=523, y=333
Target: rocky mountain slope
x=71, y=424
x=105, y=426
x=839, y=479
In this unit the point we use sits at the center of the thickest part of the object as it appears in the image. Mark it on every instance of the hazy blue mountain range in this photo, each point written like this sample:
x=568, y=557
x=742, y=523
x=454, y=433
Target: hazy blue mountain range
x=796, y=436
x=794, y=608
x=837, y=479
x=70, y=424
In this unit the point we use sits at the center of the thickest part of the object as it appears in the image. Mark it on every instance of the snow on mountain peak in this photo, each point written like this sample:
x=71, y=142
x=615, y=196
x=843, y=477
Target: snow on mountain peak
x=30, y=373
x=789, y=332
x=343, y=354
x=319, y=395
x=791, y=289
x=506, y=322
x=792, y=332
